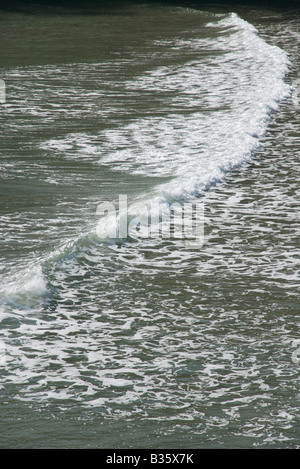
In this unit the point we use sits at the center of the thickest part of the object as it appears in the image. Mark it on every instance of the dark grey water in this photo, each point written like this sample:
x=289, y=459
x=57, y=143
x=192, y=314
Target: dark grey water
x=147, y=342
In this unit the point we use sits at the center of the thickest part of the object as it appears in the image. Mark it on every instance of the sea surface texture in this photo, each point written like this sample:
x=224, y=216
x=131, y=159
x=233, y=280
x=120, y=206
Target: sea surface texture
x=149, y=341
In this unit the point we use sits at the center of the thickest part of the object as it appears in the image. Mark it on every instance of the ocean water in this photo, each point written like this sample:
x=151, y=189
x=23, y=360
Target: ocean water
x=147, y=341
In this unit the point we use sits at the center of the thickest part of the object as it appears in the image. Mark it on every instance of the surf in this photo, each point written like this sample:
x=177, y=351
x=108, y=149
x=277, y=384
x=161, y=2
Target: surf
x=219, y=106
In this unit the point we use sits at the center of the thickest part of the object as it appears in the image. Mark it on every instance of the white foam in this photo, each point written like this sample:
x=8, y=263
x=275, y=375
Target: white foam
x=34, y=284
x=258, y=70
x=24, y=287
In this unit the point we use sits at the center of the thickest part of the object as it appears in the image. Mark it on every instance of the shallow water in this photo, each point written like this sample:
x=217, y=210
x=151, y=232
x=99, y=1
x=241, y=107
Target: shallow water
x=147, y=342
